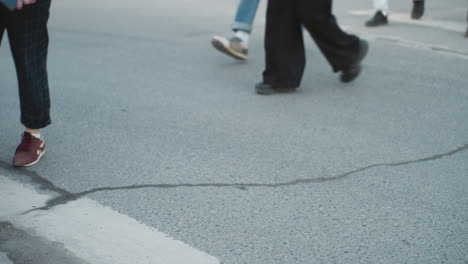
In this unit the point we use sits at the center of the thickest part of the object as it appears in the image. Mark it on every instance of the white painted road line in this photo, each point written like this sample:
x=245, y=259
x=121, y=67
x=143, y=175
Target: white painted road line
x=94, y=233
x=405, y=18
x=463, y=54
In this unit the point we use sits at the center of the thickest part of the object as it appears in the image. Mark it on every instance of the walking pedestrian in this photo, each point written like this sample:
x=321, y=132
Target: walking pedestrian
x=28, y=36
x=284, y=45
x=380, y=17
x=238, y=45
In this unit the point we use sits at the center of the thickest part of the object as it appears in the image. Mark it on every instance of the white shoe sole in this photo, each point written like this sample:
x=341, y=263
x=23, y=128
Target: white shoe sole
x=32, y=163
x=222, y=45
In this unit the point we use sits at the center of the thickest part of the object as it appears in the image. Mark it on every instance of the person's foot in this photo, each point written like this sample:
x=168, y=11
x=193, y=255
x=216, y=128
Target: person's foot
x=379, y=19
x=233, y=47
x=466, y=33
x=353, y=71
x=29, y=151
x=418, y=9
x=267, y=89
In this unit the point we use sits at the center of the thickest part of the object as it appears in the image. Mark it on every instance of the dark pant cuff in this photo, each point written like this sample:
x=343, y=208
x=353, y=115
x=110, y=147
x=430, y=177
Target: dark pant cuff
x=35, y=124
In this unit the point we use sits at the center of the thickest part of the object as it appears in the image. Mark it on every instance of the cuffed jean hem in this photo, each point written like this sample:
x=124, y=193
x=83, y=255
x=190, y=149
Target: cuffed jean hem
x=241, y=26
x=35, y=124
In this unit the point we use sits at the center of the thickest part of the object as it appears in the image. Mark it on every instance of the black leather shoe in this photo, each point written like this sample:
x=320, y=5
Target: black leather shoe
x=267, y=89
x=418, y=9
x=354, y=70
x=379, y=19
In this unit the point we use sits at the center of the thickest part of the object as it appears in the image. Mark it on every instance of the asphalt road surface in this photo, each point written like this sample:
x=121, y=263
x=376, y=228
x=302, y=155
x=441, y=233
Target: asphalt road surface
x=161, y=152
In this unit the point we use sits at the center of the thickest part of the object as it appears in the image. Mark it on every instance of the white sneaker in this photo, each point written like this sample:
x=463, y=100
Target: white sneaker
x=233, y=47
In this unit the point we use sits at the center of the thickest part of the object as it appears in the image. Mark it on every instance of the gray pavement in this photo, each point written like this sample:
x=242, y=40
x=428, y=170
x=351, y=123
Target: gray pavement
x=23, y=248
x=369, y=172
x=4, y=259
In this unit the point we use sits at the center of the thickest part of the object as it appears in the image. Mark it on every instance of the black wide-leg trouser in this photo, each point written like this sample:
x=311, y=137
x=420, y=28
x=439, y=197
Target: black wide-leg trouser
x=284, y=45
x=29, y=40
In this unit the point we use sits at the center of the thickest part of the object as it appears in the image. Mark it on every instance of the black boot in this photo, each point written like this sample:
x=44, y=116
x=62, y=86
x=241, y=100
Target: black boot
x=353, y=71
x=379, y=19
x=418, y=9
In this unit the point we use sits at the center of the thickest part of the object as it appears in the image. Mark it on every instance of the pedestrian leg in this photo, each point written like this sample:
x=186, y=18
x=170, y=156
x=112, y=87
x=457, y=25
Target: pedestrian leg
x=28, y=35
x=418, y=9
x=245, y=15
x=284, y=46
x=238, y=45
x=380, y=17
x=339, y=48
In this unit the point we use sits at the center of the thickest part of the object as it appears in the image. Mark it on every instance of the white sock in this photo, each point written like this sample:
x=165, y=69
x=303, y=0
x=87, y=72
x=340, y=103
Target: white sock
x=244, y=36
x=37, y=135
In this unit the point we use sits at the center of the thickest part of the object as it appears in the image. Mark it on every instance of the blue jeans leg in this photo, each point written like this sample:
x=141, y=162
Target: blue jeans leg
x=245, y=15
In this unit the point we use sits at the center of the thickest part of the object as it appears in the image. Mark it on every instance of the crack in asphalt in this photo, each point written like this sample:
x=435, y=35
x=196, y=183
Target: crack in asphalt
x=66, y=196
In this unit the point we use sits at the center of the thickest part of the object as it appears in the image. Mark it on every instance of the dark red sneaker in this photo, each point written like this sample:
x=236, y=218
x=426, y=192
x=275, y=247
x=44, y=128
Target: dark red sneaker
x=29, y=151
